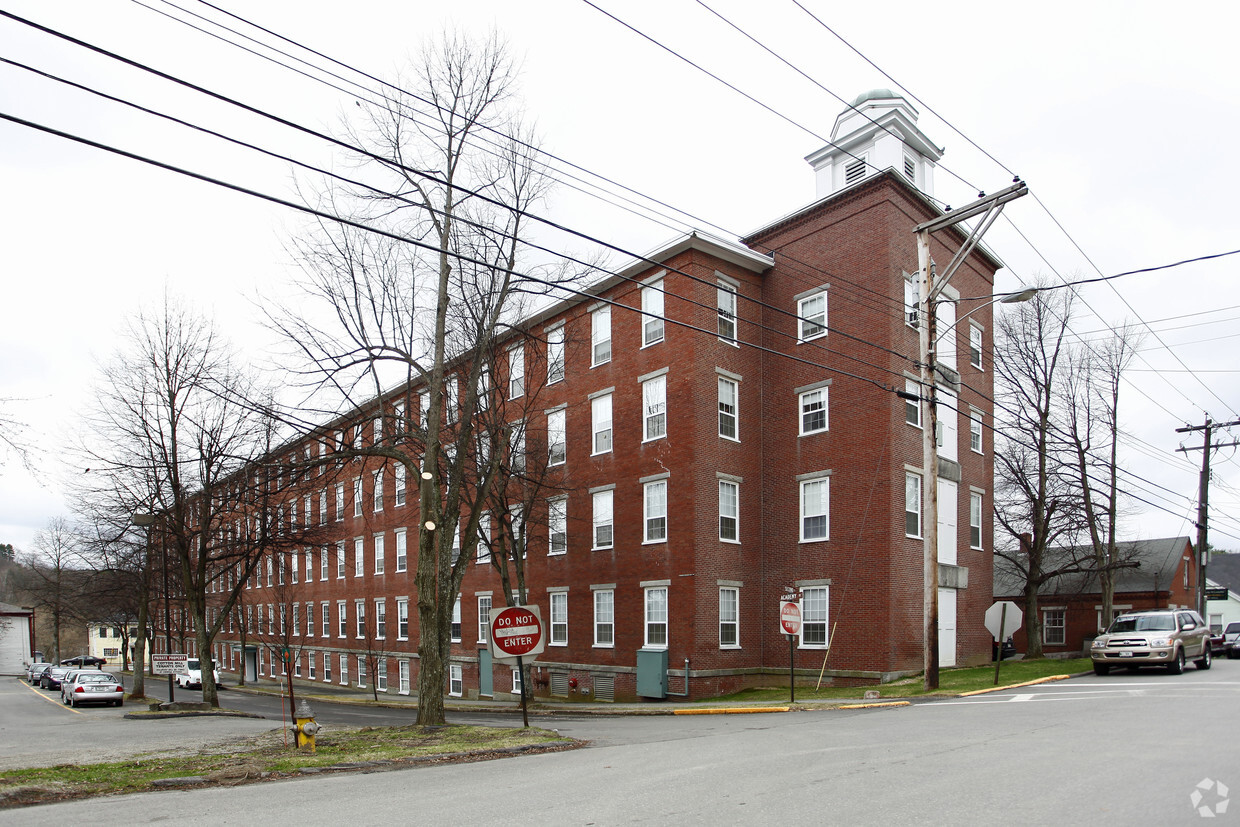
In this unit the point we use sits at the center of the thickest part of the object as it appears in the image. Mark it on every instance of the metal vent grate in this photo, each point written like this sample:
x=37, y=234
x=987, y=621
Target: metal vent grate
x=604, y=687
x=559, y=684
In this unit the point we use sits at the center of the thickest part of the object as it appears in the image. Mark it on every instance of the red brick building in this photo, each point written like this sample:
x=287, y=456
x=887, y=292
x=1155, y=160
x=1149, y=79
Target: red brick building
x=740, y=438
x=1157, y=574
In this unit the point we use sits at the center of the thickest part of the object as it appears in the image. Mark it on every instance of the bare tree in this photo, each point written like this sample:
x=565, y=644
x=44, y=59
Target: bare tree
x=417, y=314
x=56, y=577
x=1092, y=432
x=1036, y=496
x=13, y=431
x=168, y=438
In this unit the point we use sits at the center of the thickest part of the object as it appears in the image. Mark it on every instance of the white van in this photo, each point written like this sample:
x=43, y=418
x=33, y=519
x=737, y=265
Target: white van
x=191, y=678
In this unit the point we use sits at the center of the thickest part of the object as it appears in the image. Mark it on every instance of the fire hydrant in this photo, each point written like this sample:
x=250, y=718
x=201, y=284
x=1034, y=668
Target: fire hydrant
x=304, y=726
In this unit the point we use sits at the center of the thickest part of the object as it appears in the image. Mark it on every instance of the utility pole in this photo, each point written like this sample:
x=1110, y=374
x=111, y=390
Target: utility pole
x=930, y=286
x=1203, y=503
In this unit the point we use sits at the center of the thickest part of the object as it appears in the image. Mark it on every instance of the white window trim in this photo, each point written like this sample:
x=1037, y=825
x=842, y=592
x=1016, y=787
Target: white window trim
x=803, y=481
x=802, y=319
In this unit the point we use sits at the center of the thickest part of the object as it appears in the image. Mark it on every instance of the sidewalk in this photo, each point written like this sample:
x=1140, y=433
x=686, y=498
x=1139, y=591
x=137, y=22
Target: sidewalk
x=335, y=693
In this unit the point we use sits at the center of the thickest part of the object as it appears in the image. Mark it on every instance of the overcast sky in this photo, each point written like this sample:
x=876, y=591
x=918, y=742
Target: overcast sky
x=1120, y=116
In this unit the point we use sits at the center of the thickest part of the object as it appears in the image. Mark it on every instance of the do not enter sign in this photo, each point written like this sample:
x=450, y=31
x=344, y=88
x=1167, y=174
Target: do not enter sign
x=789, y=617
x=516, y=632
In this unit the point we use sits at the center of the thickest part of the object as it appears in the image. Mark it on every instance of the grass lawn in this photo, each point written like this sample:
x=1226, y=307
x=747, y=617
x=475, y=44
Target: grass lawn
x=266, y=756
x=951, y=682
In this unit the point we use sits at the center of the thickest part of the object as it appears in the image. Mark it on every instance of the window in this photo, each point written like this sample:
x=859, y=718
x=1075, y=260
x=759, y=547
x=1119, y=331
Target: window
x=1053, y=627
x=380, y=619
x=380, y=562
x=726, y=294
x=359, y=610
x=600, y=336
x=517, y=688
x=815, y=498
x=652, y=313
x=451, y=397
x=456, y=620
x=376, y=436
x=975, y=346
x=559, y=619
x=381, y=675
x=402, y=670
x=327, y=667
x=402, y=618
x=654, y=407
x=602, y=519
x=297, y=618
x=424, y=407
x=517, y=446
x=339, y=559
x=484, y=387
x=975, y=431
x=309, y=519
x=311, y=661
x=378, y=485
x=402, y=557
x=399, y=473
x=912, y=305
x=728, y=393
x=339, y=501
x=294, y=573
x=604, y=618
x=729, y=511
x=813, y=411
x=310, y=620
x=812, y=311
x=270, y=569
x=557, y=525
x=357, y=496
x=656, y=617
x=484, y=617
x=600, y=423
x=975, y=520
x=361, y=672
x=456, y=683
x=557, y=446
x=912, y=505
x=814, y=617
x=359, y=557
x=484, y=538
x=912, y=407
x=327, y=619
x=729, y=617
x=342, y=616
x=555, y=354
x=322, y=504
x=516, y=372
x=344, y=669
x=655, y=512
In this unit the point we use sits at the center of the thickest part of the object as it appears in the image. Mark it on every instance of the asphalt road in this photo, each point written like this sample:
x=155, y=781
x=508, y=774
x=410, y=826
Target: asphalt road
x=1125, y=749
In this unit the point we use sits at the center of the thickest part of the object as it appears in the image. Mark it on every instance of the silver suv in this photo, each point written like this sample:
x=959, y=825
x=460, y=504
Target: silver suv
x=1161, y=637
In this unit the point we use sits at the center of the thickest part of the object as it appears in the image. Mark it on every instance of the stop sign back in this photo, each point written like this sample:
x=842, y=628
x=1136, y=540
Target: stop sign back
x=516, y=632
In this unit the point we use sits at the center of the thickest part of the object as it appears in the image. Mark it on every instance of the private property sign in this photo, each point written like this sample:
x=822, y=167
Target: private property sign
x=516, y=632
x=168, y=664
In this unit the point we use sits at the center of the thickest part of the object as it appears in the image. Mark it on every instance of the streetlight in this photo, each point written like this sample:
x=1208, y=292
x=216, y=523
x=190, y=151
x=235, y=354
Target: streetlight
x=928, y=340
x=146, y=520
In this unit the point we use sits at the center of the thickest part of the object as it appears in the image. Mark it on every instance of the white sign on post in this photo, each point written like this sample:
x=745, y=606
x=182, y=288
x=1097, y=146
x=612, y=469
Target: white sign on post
x=516, y=632
x=169, y=664
x=1010, y=619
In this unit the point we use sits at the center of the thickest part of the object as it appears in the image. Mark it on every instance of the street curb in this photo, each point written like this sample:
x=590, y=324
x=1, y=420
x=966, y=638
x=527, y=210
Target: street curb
x=874, y=705
x=1047, y=679
x=732, y=710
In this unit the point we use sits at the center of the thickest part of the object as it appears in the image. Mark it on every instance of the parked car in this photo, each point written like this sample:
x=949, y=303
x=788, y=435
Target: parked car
x=191, y=678
x=87, y=661
x=91, y=686
x=51, y=678
x=1161, y=637
x=35, y=671
x=1231, y=639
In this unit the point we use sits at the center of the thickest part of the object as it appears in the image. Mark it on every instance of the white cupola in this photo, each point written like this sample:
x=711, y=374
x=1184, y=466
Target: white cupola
x=878, y=131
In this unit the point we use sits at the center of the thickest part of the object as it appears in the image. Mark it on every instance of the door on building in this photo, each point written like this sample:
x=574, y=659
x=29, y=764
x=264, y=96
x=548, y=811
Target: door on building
x=486, y=677
x=947, y=627
x=250, y=663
